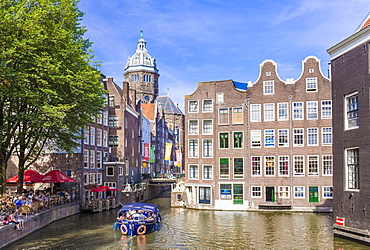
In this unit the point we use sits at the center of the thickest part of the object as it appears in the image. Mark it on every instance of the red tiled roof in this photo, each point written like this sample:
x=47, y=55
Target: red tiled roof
x=149, y=110
x=366, y=23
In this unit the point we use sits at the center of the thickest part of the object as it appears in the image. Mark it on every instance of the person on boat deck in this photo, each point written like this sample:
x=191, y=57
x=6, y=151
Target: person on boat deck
x=128, y=216
x=120, y=217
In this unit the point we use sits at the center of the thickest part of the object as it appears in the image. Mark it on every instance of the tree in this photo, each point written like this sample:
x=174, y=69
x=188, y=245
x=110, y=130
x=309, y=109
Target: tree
x=48, y=88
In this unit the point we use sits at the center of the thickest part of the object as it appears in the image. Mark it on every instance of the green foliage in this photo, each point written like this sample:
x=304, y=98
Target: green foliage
x=48, y=89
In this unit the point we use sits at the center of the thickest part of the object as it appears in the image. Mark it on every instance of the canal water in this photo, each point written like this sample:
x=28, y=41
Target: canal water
x=193, y=229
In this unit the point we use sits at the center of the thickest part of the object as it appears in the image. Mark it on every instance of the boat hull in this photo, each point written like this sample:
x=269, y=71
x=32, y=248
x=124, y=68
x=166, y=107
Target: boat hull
x=135, y=228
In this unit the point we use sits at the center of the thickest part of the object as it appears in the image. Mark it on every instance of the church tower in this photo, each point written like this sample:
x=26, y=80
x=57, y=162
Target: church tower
x=142, y=73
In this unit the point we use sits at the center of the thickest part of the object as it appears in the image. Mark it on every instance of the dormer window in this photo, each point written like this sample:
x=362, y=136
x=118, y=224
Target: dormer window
x=268, y=87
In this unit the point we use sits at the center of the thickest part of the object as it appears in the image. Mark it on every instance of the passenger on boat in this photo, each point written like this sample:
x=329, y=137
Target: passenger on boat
x=120, y=217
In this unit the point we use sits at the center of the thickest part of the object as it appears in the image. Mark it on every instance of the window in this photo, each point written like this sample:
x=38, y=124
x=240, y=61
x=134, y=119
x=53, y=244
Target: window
x=298, y=165
x=256, y=192
x=326, y=136
x=99, y=159
x=86, y=158
x=224, y=140
x=207, y=127
x=237, y=115
x=193, y=127
x=238, y=194
x=207, y=172
x=113, y=141
x=99, y=178
x=110, y=171
x=147, y=78
x=113, y=121
x=99, y=118
x=269, y=112
x=298, y=137
x=99, y=137
x=105, y=138
x=238, y=168
x=326, y=109
x=207, y=106
x=311, y=84
x=86, y=136
x=224, y=168
x=327, y=165
x=207, y=148
x=193, y=172
x=269, y=138
x=352, y=111
x=193, y=106
x=220, y=97
x=238, y=139
x=256, y=165
x=312, y=110
x=255, y=112
x=283, y=165
x=352, y=168
x=313, y=165
x=269, y=165
x=312, y=137
x=255, y=138
x=297, y=110
x=268, y=87
x=111, y=101
x=92, y=136
x=225, y=191
x=298, y=192
x=193, y=148
x=283, y=192
x=120, y=171
x=327, y=192
x=283, y=137
x=223, y=116
x=283, y=111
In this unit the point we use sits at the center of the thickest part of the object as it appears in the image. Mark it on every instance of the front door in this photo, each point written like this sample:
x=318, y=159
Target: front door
x=204, y=195
x=270, y=194
x=313, y=194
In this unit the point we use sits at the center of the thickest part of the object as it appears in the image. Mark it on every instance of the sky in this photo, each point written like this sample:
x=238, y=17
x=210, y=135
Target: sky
x=212, y=40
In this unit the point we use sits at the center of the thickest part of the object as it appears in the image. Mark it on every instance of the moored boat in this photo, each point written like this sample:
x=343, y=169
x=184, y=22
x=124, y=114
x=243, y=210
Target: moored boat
x=138, y=219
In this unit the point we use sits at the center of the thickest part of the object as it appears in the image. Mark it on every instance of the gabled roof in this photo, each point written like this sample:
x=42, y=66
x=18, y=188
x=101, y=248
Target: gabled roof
x=149, y=110
x=364, y=23
x=167, y=105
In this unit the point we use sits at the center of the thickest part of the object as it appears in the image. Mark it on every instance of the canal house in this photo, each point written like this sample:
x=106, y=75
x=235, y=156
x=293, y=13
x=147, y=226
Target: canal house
x=262, y=145
x=350, y=70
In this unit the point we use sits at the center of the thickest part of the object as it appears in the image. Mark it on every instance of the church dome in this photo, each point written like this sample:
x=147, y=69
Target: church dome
x=141, y=60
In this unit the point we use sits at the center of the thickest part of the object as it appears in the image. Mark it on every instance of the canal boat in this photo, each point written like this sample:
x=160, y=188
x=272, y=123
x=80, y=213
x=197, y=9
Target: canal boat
x=138, y=219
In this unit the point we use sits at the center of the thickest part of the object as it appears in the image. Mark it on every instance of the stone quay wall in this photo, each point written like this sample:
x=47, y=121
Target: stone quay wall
x=36, y=221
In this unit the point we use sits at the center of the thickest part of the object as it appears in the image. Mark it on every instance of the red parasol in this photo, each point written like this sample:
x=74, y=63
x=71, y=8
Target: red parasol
x=98, y=189
x=114, y=189
x=105, y=187
x=30, y=176
x=55, y=176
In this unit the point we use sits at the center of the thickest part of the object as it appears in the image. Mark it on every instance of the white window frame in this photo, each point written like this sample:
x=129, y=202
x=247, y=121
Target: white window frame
x=107, y=168
x=236, y=115
x=313, y=173
x=311, y=84
x=352, y=122
x=86, y=158
x=193, y=126
x=193, y=106
x=298, y=110
x=327, y=137
x=269, y=135
x=92, y=158
x=210, y=174
x=208, y=128
x=294, y=166
x=347, y=186
x=312, y=110
x=283, y=133
x=273, y=163
x=193, y=172
x=255, y=113
x=268, y=87
x=219, y=97
x=312, y=138
x=193, y=148
x=283, y=111
x=326, y=162
x=258, y=163
x=226, y=114
x=326, y=109
x=255, y=138
x=256, y=191
x=283, y=159
x=92, y=136
x=269, y=112
x=283, y=192
x=210, y=148
x=206, y=108
x=300, y=191
x=295, y=130
x=327, y=190
x=99, y=138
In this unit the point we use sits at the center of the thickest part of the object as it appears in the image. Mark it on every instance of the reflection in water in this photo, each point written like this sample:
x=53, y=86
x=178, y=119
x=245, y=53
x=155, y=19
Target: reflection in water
x=193, y=229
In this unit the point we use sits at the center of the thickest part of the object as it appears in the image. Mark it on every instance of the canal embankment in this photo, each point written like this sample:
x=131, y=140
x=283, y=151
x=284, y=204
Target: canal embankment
x=36, y=221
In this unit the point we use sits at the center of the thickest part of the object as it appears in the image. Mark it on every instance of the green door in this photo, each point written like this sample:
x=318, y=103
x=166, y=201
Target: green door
x=313, y=194
x=270, y=194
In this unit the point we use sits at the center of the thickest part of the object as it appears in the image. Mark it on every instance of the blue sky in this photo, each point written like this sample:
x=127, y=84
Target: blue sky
x=205, y=40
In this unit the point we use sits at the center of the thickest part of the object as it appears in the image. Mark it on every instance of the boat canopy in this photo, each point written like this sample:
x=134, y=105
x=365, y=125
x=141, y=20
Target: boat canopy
x=140, y=206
